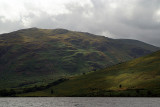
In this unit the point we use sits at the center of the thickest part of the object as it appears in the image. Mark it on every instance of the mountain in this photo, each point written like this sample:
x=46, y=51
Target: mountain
x=138, y=77
x=37, y=56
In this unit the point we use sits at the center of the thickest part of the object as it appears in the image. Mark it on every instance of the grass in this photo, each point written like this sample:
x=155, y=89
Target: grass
x=139, y=77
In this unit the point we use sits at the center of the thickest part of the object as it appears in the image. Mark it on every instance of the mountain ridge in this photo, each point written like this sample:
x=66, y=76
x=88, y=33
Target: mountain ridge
x=35, y=55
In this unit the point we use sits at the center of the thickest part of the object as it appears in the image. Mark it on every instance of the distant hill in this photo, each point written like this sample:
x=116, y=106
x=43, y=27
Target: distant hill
x=139, y=77
x=37, y=56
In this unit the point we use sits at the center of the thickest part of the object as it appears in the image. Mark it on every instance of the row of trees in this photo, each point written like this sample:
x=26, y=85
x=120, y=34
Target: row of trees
x=12, y=92
x=39, y=88
x=5, y=92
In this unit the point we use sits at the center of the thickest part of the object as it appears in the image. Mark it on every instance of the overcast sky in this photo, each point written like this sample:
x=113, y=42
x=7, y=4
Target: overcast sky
x=132, y=19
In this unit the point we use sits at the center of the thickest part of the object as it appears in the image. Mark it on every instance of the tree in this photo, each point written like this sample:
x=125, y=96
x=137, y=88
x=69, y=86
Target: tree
x=120, y=86
x=12, y=92
x=137, y=91
x=3, y=93
x=51, y=91
x=149, y=93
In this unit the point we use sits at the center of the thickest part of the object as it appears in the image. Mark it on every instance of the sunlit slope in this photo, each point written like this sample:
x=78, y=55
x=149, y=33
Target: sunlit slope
x=31, y=56
x=139, y=77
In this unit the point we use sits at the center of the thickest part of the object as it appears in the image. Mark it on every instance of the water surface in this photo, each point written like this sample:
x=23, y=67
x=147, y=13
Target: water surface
x=79, y=102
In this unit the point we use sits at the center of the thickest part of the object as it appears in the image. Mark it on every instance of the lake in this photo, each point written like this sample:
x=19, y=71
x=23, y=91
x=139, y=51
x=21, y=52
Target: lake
x=79, y=102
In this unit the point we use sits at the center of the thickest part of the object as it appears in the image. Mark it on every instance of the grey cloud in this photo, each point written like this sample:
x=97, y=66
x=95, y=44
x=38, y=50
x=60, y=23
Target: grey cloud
x=143, y=15
x=9, y=26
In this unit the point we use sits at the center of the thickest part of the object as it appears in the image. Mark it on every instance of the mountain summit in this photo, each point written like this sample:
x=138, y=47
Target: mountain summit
x=32, y=56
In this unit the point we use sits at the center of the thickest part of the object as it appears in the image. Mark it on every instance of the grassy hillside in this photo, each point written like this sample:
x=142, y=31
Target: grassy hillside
x=38, y=56
x=139, y=77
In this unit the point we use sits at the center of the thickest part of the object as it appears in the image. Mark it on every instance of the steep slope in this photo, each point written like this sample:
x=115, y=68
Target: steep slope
x=139, y=77
x=34, y=56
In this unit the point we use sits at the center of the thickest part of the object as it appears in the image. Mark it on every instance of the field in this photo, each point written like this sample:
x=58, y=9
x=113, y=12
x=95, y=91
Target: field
x=139, y=77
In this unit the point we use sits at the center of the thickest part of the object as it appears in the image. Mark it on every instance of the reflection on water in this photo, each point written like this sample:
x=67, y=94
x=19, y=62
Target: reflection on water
x=79, y=102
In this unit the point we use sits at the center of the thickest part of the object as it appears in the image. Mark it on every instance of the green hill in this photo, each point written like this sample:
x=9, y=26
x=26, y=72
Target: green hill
x=139, y=77
x=35, y=56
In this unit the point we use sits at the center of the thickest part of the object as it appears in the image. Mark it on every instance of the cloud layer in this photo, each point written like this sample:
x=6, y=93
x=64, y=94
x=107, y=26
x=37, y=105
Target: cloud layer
x=133, y=19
